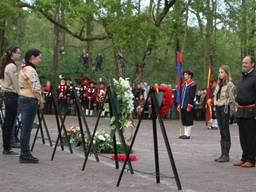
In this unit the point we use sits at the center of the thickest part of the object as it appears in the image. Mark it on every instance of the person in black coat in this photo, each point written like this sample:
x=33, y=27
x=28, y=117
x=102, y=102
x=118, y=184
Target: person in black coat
x=187, y=103
x=246, y=113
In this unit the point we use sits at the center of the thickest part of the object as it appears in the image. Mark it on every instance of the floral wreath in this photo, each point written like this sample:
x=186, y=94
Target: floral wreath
x=123, y=92
x=167, y=99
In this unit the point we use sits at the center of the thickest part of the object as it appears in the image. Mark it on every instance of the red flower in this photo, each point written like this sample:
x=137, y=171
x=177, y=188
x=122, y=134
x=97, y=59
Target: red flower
x=121, y=157
x=167, y=100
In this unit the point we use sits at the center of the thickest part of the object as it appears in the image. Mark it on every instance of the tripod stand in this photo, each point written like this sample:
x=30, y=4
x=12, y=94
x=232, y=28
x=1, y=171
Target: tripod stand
x=80, y=116
x=60, y=120
x=155, y=115
x=41, y=119
x=114, y=111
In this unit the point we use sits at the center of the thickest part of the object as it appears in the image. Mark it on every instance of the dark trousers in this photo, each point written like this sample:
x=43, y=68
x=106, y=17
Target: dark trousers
x=63, y=106
x=187, y=118
x=28, y=108
x=247, y=134
x=223, y=123
x=11, y=103
x=48, y=105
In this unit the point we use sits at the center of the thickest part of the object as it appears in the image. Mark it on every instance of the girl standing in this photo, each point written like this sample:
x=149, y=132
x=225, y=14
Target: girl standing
x=223, y=99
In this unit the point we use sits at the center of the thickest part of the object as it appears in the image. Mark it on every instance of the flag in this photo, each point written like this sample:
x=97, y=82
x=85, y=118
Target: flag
x=179, y=74
x=208, y=108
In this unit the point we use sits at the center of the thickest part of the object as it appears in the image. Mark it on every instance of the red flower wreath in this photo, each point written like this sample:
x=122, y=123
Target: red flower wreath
x=167, y=99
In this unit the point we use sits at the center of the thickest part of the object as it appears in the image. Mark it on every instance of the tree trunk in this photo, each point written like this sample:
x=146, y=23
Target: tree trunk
x=208, y=38
x=56, y=41
x=252, y=35
x=139, y=7
x=139, y=70
x=89, y=29
x=120, y=64
x=62, y=32
x=243, y=33
x=186, y=26
x=138, y=74
x=150, y=7
x=2, y=35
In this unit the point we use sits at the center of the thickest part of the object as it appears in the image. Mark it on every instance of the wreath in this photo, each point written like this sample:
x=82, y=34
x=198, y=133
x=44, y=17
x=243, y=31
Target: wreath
x=124, y=96
x=167, y=99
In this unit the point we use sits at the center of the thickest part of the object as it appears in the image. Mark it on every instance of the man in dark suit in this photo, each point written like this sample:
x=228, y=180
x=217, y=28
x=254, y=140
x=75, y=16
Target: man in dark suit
x=246, y=112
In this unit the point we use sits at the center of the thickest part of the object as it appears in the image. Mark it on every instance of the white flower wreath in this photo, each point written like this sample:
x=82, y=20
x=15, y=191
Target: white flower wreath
x=125, y=97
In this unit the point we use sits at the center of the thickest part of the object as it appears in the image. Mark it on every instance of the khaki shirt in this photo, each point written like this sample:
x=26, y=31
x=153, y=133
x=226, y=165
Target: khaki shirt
x=10, y=81
x=227, y=95
x=29, y=84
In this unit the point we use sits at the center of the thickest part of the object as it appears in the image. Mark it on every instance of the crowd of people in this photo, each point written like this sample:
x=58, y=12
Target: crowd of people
x=91, y=95
x=23, y=94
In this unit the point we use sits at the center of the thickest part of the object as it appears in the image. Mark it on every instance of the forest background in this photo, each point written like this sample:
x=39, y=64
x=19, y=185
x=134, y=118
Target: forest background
x=137, y=38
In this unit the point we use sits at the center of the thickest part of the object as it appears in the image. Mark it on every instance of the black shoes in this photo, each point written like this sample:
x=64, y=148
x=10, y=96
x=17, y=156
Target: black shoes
x=28, y=159
x=222, y=159
x=10, y=152
x=184, y=137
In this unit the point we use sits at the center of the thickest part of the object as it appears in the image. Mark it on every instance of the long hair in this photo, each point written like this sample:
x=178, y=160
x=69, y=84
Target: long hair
x=228, y=77
x=6, y=59
x=30, y=53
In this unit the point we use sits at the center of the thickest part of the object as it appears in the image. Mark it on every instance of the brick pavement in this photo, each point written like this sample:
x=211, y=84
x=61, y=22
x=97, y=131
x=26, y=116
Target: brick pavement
x=194, y=160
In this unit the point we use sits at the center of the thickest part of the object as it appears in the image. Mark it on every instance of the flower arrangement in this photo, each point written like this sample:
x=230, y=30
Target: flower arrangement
x=73, y=135
x=125, y=97
x=102, y=141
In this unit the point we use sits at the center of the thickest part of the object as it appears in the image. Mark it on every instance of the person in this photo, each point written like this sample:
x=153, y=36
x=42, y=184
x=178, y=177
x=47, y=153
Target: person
x=30, y=96
x=98, y=61
x=101, y=92
x=92, y=93
x=63, y=96
x=48, y=97
x=223, y=99
x=246, y=112
x=84, y=95
x=187, y=103
x=210, y=110
x=9, y=84
x=139, y=106
x=85, y=58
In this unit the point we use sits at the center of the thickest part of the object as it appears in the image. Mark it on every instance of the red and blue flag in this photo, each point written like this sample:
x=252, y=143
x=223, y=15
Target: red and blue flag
x=179, y=74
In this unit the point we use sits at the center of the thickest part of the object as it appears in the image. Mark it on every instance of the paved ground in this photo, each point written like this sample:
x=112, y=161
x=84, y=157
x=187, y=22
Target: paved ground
x=194, y=160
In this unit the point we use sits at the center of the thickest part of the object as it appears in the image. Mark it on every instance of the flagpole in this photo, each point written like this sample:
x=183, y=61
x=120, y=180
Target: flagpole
x=208, y=110
x=179, y=78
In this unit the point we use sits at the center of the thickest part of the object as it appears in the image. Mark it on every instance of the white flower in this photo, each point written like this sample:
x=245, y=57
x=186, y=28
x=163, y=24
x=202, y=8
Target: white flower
x=123, y=91
x=128, y=124
x=106, y=135
x=101, y=138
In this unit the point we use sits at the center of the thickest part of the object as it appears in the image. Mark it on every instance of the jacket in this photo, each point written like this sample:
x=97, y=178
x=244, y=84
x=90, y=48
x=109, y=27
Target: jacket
x=29, y=84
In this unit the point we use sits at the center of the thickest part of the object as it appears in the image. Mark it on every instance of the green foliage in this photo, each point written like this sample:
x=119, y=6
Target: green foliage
x=131, y=33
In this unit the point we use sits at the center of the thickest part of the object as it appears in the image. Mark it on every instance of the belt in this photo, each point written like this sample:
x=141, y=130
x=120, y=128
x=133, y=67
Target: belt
x=253, y=106
x=10, y=93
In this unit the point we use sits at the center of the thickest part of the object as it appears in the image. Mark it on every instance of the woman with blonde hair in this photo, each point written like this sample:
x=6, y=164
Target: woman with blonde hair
x=224, y=101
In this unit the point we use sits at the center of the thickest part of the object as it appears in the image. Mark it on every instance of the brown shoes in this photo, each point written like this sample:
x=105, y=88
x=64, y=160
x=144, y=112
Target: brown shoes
x=248, y=164
x=243, y=164
x=238, y=163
